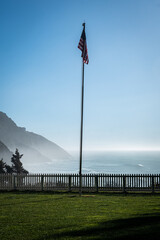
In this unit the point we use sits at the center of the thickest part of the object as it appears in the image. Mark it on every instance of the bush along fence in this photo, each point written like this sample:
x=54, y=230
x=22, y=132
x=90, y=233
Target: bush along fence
x=70, y=182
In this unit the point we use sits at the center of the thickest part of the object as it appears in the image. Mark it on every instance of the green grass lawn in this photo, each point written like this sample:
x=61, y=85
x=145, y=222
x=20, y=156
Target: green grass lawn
x=67, y=216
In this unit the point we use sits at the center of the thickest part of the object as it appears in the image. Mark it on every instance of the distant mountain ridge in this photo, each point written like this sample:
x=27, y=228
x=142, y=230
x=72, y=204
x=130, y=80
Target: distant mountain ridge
x=35, y=148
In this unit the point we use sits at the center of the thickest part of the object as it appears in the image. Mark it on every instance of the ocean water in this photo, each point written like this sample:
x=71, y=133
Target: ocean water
x=109, y=162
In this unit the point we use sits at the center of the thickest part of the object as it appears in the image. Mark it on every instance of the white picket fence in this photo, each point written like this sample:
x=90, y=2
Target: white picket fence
x=70, y=182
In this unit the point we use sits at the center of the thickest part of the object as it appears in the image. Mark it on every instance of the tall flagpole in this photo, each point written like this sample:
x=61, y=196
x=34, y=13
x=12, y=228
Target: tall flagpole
x=83, y=47
x=81, y=131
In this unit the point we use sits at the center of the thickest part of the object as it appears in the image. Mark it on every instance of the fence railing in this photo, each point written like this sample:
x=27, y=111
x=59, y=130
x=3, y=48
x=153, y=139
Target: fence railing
x=90, y=182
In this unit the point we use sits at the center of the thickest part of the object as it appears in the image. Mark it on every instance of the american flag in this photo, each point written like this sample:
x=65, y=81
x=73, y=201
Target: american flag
x=83, y=46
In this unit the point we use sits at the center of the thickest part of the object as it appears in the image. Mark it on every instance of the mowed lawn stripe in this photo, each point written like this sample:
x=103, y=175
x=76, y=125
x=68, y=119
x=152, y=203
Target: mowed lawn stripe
x=67, y=216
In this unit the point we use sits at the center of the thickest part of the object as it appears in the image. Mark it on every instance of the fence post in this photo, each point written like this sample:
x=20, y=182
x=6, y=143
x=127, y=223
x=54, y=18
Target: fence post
x=152, y=184
x=42, y=180
x=69, y=184
x=96, y=183
x=14, y=182
x=124, y=184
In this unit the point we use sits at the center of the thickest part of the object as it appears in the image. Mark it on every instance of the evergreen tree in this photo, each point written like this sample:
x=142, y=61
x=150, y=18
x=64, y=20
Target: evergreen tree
x=9, y=169
x=2, y=166
x=17, y=165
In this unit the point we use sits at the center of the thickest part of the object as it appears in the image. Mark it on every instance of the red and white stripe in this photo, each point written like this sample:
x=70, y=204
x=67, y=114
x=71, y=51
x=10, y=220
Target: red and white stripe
x=83, y=47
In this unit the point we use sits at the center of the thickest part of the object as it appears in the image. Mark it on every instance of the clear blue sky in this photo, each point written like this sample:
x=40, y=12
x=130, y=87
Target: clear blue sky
x=40, y=70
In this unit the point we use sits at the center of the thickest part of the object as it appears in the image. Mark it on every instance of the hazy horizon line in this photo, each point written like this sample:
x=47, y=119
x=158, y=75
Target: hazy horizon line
x=117, y=150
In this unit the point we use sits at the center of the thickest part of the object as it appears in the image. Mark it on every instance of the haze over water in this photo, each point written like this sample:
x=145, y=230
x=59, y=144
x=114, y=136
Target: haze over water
x=109, y=162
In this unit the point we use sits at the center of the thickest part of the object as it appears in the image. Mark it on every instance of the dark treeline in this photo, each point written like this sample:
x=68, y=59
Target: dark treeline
x=17, y=166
